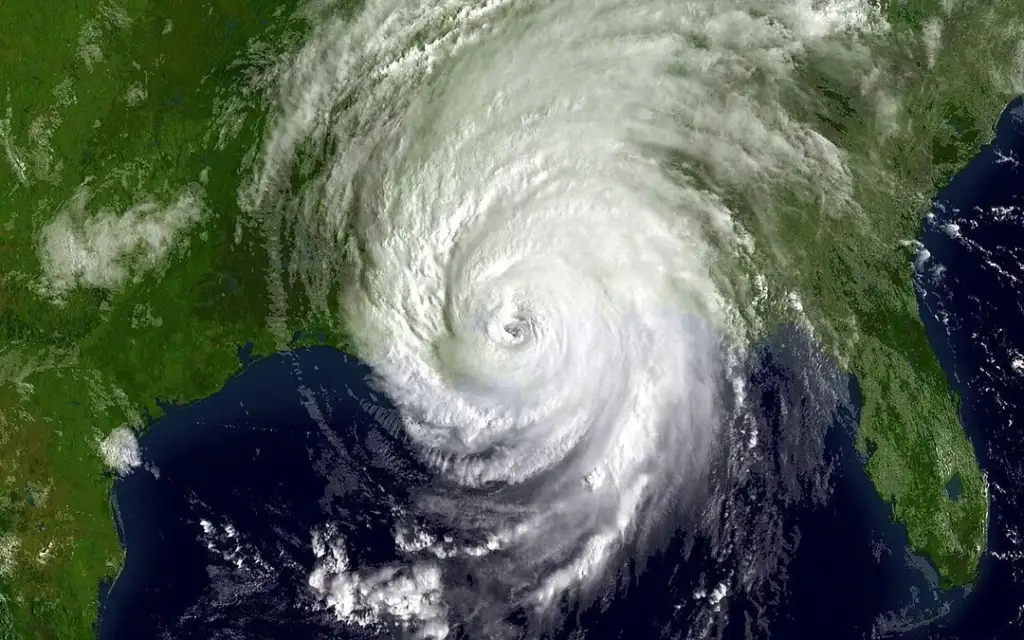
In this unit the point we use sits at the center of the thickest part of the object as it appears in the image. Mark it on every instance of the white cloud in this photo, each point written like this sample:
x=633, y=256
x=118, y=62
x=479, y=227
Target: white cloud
x=120, y=450
x=409, y=596
x=932, y=36
x=103, y=250
x=9, y=546
x=820, y=19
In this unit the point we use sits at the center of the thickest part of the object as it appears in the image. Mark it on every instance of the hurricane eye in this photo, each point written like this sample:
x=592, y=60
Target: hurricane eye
x=515, y=331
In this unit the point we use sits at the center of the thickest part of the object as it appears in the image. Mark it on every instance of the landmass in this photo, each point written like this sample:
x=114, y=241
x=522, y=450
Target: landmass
x=130, y=280
x=948, y=87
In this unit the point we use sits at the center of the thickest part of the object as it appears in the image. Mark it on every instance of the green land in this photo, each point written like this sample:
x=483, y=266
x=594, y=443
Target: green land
x=129, y=99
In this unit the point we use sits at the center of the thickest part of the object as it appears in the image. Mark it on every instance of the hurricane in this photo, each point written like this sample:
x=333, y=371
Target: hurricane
x=524, y=213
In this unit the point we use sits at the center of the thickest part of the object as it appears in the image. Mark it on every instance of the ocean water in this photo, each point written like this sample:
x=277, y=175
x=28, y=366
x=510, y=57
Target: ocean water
x=253, y=458
x=218, y=525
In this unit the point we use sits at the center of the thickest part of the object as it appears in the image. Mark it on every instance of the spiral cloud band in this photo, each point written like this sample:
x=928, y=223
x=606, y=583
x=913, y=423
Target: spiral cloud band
x=521, y=205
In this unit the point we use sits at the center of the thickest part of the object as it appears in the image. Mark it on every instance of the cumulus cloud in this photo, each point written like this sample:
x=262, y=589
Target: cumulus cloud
x=120, y=450
x=105, y=249
x=407, y=596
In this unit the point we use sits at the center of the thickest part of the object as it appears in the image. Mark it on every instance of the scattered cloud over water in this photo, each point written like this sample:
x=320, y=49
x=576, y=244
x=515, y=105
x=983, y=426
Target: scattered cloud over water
x=407, y=596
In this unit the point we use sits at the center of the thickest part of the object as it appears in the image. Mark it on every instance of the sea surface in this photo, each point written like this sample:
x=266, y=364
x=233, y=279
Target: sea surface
x=218, y=525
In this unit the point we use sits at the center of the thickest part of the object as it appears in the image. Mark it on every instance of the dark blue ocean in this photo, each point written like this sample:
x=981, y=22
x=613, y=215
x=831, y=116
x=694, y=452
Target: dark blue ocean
x=217, y=525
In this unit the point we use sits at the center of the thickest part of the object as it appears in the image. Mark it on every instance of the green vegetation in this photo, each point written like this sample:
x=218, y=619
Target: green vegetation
x=123, y=97
x=906, y=126
x=910, y=420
